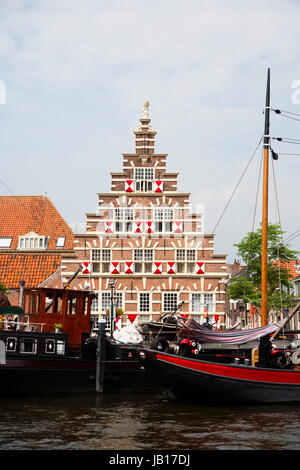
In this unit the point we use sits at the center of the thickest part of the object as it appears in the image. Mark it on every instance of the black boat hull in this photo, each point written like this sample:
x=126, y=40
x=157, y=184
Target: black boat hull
x=210, y=382
x=27, y=377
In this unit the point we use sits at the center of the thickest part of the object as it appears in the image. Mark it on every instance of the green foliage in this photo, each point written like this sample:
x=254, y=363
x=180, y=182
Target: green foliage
x=247, y=287
x=3, y=288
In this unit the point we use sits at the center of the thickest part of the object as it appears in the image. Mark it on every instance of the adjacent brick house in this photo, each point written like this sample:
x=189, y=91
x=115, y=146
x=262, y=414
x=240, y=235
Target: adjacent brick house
x=145, y=236
x=33, y=238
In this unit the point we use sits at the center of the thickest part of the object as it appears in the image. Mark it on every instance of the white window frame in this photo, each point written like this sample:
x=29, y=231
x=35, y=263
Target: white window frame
x=167, y=305
x=105, y=300
x=32, y=241
x=146, y=302
x=204, y=301
x=60, y=242
x=5, y=242
x=144, y=178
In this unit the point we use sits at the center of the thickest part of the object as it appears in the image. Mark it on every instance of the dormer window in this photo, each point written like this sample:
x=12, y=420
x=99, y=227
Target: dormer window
x=5, y=242
x=32, y=241
x=60, y=242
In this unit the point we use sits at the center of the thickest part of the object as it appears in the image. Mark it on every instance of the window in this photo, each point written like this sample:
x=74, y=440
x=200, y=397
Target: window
x=106, y=255
x=169, y=301
x=96, y=255
x=143, y=255
x=144, y=173
x=72, y=304
x=60, y=242
x=190, y=255
x=100, y=255
x=105, y=267
x=5, y=242
x=11, y=344
x=95, y=305
x=201, y=302
x=148, y=255
x=180, y=255
x=196, y=302
x=124, y=218
x=144, y=177
x=60, y=347
x=180, y=267
x=96, y=267
x=163, y=220
x=105, y=300
x=148, y=267
x=209, y=302
x=138, y=255
x=190, y=267
x=28, y=345
x=144, y=302
x=50, y=346
x=32, y=241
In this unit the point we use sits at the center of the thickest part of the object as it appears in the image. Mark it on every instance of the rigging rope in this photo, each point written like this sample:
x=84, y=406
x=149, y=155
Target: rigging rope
x=238, y=183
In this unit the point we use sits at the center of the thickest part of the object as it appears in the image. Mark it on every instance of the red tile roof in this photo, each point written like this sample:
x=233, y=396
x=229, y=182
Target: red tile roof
x=292, y=266
x=32, y=268
x=20, y=215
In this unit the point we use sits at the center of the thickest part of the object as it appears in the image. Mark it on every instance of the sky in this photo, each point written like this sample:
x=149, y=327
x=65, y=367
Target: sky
x=74, y=76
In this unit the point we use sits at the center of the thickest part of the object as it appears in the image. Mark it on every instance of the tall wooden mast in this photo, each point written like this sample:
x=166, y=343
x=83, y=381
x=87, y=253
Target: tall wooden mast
x=264, y=246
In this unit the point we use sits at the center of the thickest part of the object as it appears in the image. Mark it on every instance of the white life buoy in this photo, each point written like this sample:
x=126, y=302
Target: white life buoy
x=296, y=357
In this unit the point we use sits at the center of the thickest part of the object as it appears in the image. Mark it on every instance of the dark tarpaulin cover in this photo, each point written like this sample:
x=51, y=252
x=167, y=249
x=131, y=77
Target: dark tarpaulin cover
x=204, y=335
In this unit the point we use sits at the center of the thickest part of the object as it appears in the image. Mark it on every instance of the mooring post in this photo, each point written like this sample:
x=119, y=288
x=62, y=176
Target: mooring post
x=100, y=356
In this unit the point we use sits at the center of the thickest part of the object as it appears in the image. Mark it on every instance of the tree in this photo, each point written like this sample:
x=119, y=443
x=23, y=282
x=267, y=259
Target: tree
x=247, y=286
x=3, y=288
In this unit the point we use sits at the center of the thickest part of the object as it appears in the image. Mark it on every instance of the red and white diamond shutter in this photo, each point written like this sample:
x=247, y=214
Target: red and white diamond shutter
x=115, y=267
x=200, y=268
x=86, y=267
x=129, y=267
x=149, y=226
x=129, y=186
x=158, y=186
x=108, y=226
x=171, y=267
x=177, y=226
x=184, y=316
x=157, y=267
x=138, y=227
x=132, y=318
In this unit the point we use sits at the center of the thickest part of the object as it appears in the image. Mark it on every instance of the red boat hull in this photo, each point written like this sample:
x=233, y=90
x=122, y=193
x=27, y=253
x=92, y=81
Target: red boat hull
x=223, y=383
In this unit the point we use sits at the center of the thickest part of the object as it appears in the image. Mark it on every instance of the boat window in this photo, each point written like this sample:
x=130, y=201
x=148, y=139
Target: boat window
x=49, y=302
x=57, y=303
x=60, y=346
x=28, y=345
x=11, y=344
x=50, y=346
x=72, y=303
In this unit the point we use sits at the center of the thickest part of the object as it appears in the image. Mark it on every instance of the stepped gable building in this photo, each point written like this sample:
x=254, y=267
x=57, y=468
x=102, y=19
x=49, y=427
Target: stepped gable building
x=33, y=238
x=145, y=237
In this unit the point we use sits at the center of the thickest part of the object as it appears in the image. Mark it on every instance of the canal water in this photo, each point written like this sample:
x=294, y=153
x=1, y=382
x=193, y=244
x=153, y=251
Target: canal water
x=143, y=422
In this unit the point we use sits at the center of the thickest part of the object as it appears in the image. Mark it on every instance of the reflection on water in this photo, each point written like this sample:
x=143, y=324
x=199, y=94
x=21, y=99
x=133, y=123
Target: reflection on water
x=144, y=421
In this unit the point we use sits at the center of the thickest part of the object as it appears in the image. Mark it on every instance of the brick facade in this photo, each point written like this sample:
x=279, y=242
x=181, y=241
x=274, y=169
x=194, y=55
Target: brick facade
x=145, y=236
